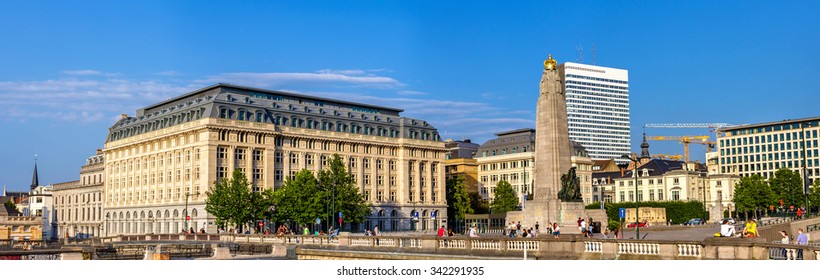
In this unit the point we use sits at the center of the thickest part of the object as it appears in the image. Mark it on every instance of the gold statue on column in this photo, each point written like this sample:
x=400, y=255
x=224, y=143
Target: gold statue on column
x=550, y=63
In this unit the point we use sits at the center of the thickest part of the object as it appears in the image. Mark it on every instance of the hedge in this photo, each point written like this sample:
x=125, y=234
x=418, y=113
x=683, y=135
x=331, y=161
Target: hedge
x=678, y=211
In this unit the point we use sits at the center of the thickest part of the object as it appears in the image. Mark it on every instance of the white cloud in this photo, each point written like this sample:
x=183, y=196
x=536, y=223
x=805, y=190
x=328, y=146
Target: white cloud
x=333, y=78
x=168, y=73
x=83, y=99
x=100, y=98
x=411, y=92
x=87, y=73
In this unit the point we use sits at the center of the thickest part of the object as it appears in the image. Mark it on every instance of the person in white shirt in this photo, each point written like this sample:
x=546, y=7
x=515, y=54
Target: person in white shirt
x=726, y=229
x=473, y=232
x=583, y=227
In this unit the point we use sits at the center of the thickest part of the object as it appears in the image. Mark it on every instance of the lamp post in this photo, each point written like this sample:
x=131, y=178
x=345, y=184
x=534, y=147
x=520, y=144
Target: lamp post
x=805, y=174
x=635, y=174
x=187, y=194
x=703, y=185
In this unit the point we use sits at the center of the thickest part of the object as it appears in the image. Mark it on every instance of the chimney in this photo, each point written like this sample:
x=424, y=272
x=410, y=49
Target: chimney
x=122, y=116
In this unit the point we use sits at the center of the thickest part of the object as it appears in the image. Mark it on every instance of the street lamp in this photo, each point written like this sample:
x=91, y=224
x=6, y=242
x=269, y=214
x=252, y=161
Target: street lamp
x=635, y=173
x=805, y=174
x=703, y=185
x=187, y=194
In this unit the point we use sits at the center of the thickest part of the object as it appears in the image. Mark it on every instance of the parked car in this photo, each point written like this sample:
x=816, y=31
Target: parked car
x=731, y=221
x=641, y=224
x=694, y=221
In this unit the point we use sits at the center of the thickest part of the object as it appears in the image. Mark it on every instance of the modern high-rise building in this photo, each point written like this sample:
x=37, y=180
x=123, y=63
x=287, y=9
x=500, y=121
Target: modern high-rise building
x=764, y=148
x=598, y=109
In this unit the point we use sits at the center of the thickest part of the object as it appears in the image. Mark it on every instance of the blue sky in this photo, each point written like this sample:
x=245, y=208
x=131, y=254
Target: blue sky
x=68, y=69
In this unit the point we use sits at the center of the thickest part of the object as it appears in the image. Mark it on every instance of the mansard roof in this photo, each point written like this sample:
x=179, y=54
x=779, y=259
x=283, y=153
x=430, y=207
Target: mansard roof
x=269, y=106
x=524, y=141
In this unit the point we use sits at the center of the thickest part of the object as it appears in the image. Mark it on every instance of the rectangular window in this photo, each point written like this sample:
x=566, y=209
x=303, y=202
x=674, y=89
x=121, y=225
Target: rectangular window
x=277, y=175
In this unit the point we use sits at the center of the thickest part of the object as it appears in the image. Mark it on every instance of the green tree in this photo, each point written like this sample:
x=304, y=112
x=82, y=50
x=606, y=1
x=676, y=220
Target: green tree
x=814, y=194
x=339, y=188
x=227, y=198
x=752, y=193
x=232, y=202
x=788, y=186
x=259, y=206
x=10, y=204
x=458, y=200
x=479, y=204
x=505, y=198
x=299, y=199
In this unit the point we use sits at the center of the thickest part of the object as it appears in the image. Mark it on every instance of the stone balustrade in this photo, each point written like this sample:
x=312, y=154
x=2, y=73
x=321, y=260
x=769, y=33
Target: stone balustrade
x=485, y=244
x=566, y=247
x=593, y=247
x=690, y=250
x=639, y=248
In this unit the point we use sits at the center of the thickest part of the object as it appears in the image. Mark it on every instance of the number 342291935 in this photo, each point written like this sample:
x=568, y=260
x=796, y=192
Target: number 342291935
x=457, y=270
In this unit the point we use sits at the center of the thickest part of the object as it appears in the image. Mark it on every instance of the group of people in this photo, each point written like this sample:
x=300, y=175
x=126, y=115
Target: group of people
x=584, y=227
x=375, y=232
x=515, y=230
x=728, y=230
x=444, y=232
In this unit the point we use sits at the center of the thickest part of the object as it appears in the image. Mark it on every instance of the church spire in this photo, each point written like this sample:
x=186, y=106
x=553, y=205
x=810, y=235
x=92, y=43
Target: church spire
x=644, y=147
x=35, y=180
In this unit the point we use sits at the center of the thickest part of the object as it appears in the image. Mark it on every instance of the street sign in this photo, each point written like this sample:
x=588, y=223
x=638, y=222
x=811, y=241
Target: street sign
x=260, y=224
x=433, y=214
x=415, y=215
x=188, y=217
x=340, y=215
x=622, y=212
x=318, y=221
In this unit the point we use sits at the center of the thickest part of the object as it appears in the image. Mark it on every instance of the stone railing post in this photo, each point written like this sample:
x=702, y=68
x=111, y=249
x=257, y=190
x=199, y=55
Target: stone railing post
x=429, y=244
x=468, y=244
x=344, y=239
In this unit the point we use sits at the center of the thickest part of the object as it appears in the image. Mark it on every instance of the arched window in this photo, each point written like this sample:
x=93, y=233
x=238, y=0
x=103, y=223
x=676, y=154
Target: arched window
x=381, y=213
x=394, y=213
x=193, y=213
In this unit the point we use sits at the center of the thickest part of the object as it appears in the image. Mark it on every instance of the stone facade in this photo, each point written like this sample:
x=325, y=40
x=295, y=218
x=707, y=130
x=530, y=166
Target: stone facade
x=160, y=163
x=79, y=204
x=466, y=167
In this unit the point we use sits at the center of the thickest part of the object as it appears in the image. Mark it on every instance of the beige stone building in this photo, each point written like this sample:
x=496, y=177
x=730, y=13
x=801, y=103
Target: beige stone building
x=160, y=163
x=79, y=204
x=666, y=180
x=511, y=157
x=15, y=226
x=467, y=167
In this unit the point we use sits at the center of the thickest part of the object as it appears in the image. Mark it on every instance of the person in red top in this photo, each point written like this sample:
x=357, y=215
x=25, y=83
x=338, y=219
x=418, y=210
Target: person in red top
x=799, y=213
x=440, y=232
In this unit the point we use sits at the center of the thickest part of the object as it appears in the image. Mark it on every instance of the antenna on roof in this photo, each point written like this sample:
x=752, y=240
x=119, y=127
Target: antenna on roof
x=580, y=54
x=593, y=55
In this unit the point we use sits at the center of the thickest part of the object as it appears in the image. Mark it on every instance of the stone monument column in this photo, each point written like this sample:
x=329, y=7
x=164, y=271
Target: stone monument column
x=552, y=148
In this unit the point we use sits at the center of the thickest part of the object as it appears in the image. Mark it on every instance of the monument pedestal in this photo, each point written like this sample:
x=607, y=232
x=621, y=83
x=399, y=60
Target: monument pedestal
x=565, y=214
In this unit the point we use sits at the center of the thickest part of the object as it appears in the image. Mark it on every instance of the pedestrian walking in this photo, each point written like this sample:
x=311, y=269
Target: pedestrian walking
x=802, y=239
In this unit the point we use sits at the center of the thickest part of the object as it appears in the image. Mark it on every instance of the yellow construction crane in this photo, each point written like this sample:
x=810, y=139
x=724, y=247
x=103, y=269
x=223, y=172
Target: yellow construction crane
x=664, y=157
x=686, y=140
